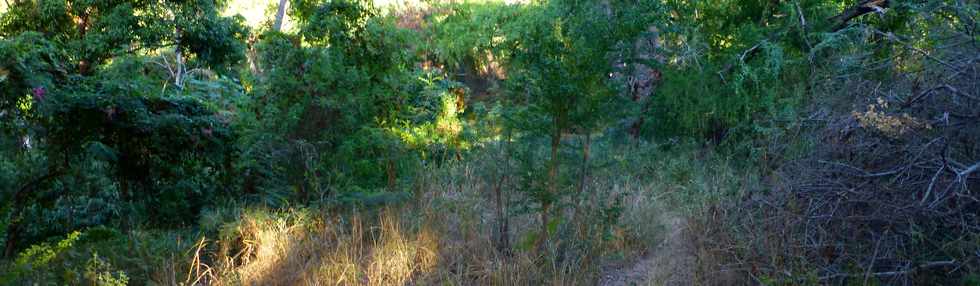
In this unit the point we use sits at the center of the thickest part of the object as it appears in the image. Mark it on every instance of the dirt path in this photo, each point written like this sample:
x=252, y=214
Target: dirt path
x=668, y=264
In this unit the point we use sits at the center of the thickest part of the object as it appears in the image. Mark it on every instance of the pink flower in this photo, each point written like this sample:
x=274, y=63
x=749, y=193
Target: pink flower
x=38, y=93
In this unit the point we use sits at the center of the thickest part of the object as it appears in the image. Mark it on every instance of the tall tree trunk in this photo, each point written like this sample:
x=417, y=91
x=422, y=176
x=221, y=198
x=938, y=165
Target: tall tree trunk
x=280, y=14
x=552, y=181
x=503, y=223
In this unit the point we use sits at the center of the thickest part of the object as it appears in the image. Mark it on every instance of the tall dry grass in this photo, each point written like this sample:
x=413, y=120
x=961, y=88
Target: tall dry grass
x=446, y=234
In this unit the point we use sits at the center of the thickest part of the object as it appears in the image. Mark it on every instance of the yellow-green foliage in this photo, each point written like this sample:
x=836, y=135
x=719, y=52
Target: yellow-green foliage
x=39, y=255
x=48, y=263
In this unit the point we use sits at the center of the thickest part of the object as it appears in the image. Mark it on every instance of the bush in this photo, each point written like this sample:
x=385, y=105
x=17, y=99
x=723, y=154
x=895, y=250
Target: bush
x=94, y=256
x=887, y=193
x=349, y=109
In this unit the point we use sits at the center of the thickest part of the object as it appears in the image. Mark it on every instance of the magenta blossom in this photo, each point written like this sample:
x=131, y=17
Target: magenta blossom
x=39, y=93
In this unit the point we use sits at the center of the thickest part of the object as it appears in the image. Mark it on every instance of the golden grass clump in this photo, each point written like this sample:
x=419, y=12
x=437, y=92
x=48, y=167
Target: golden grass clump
x=294, y=248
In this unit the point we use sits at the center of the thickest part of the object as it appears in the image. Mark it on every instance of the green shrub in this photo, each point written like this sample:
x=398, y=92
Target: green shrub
x=101, y=129
x=346, y=106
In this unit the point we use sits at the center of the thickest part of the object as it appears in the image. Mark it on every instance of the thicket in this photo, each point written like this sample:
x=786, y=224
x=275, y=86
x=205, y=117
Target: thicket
x=94, y=134
x=884, y=192
x=799, y=142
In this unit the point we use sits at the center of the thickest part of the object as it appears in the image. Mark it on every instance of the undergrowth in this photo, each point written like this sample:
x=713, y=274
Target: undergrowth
x=445, y=234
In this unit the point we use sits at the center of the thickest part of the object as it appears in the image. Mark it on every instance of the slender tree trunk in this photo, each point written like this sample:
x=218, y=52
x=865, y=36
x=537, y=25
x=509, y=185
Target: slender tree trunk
x=503, y=226
x=584, y=174
x=12, y=237
x=280, y=14
x=552, y=181
x=392, y=174
x=553, y=168
x=585, y=163
x=252, y=56
x=178, y=61
x=304, y=192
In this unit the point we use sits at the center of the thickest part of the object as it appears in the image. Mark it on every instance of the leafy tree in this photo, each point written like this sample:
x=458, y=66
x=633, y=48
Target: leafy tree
x=96, y=31
x=561, y=58
x=732, y=65
x=339, y=103
x=80, y=93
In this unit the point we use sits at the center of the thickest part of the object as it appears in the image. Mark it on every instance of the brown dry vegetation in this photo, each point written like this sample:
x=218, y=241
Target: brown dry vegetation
x=886, y=192
x=446, y=234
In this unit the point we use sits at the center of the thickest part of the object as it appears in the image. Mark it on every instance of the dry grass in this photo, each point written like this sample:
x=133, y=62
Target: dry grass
x=392, y=247
x=445, y=235
x=294, y=248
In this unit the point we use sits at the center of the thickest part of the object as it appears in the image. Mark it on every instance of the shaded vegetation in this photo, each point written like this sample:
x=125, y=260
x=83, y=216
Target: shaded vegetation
x=490, y=143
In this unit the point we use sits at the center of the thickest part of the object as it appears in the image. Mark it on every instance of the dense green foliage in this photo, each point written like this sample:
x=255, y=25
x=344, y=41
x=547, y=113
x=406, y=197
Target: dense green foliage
x=347, y=111
x=85, y=120
x=137, y=126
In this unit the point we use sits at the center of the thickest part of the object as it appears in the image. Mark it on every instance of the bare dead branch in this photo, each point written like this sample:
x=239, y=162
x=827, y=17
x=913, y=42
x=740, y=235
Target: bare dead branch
x=862, y=8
